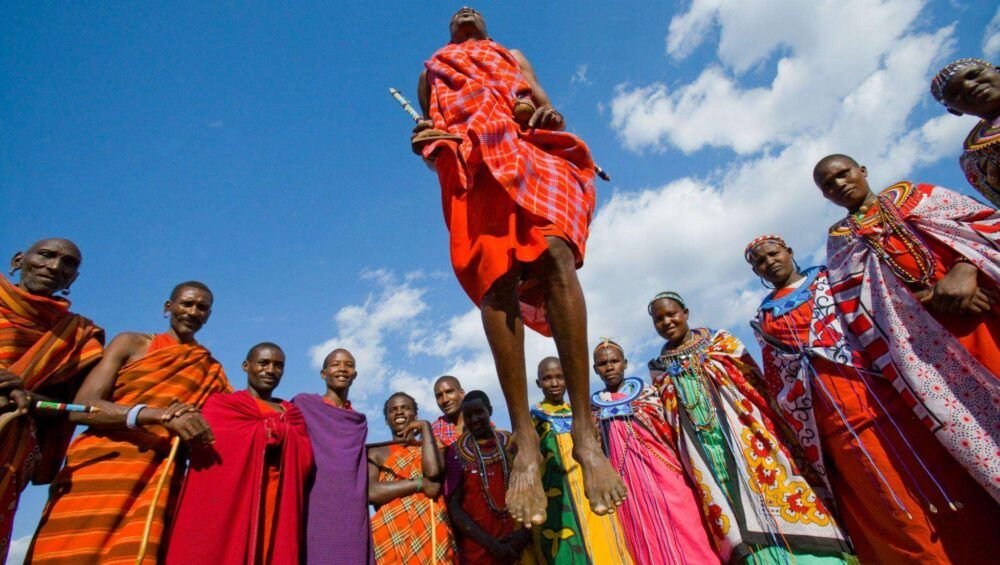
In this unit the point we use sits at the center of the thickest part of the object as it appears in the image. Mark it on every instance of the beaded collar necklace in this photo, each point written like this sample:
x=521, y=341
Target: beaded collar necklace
x=781, y=306
x=606, y=407
x=982, y=135
x=686, y=362
x=469, y=449
x=892, y=221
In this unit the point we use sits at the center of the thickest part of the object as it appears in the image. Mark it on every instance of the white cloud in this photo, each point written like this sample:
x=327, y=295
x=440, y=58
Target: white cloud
x=819, y=64
x=18, y=550
x=580, y=75
x=991, y=38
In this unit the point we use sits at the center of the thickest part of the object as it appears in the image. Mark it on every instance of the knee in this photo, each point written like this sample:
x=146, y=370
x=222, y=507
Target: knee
x=561, y=264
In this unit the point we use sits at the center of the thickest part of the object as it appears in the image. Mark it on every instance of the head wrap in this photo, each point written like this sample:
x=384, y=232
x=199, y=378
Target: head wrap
x=668, y=294
x=762, y=239
x=608, y=342
x=944, y=75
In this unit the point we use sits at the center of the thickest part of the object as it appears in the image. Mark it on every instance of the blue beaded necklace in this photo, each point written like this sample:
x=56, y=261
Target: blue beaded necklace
x=785, y=304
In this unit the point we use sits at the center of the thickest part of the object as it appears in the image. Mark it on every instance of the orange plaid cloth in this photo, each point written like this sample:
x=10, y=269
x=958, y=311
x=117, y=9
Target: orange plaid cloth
x=51, y=349
x=503, y=188
x=100, y=499
x=401, y=529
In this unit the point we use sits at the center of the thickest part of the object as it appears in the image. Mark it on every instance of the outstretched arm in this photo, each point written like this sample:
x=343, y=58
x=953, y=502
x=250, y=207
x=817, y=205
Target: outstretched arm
x=545, y=117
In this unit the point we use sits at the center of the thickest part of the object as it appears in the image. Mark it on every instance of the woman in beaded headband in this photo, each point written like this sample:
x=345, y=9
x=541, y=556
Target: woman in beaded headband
x=972, y=86
x=773, y=261
x=670, y=317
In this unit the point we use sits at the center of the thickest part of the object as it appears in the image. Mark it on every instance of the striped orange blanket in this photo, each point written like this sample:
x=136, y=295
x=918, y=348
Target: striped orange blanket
x=50, y=348
x=99, y=501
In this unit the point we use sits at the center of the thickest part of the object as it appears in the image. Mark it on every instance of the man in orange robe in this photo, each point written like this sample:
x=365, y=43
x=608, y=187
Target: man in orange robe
x=148, y=389
x=518, y=196
x=856, y=432
x=243, y=501
x=45, y=350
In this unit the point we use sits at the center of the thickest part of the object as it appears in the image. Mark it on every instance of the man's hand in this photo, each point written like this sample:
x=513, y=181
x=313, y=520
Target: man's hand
x=175, y=410
x=417, y=429
x=546, y=117
x=191, y=427
x=505, y=551
x=416, y=141
x=518, y=540
x=9, y=381
x=432, y=488
x=12, y=393
x=958, y=292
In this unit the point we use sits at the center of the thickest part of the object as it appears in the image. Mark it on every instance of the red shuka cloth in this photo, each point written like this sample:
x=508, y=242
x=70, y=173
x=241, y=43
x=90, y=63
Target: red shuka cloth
x=219, y=516
x=503, y=189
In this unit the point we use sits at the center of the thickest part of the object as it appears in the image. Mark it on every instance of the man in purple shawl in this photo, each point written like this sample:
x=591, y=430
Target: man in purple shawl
x=337, y=526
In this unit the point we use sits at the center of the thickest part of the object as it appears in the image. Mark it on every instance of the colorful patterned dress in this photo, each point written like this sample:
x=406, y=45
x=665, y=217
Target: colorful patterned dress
x=980, y=159
x=759, y=506
x=572, y=533
x=660, y=517
x=945, y=366
x=887, y=472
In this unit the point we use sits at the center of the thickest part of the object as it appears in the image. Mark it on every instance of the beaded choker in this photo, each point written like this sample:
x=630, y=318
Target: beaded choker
x=892, y=222
x=685, y=364
x=609, y=408
x=794, y=299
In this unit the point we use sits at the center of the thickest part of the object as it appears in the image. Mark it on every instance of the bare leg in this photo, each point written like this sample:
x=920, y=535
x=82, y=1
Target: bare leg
x=505, y=331
x=567, y=316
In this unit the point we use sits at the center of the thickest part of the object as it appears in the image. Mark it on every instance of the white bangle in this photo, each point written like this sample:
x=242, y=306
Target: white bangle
x=132, y=416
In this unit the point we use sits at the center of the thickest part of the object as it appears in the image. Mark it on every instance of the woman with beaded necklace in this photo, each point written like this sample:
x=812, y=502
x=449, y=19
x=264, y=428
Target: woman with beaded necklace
x=972, y=86
x=914, y=272
x=760, y=507
x=893, y=483
x=477, y=469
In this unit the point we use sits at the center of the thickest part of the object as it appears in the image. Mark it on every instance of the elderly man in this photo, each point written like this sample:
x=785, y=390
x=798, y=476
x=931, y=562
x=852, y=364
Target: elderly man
x=148, y=389
x=244, y=498
x=518, y=197
x=915, y=270
x=337, y=526
x=46, y=351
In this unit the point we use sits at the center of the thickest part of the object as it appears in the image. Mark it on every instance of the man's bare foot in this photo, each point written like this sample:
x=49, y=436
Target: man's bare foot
x=602, y=485
x=525, y=496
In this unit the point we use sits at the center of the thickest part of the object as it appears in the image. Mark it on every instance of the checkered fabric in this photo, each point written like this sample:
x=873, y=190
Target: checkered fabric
x=401, y=529
x=474, y=86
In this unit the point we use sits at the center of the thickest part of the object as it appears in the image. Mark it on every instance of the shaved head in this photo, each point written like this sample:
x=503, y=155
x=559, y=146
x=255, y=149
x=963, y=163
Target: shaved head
x=448, y=379
x=263, y=345
x=546, y=363
x=65, y=243
x=825, y=161
x=332, y=354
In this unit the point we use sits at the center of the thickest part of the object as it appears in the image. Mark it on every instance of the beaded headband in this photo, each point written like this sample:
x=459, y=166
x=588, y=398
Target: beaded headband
x=608, y=342
x=944, y=75
x=762, y=239
x=668, y=294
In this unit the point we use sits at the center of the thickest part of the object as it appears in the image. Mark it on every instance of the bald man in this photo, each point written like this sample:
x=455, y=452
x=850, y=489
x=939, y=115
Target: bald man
x=337, y=526
x=448, y=393
x=46, y=351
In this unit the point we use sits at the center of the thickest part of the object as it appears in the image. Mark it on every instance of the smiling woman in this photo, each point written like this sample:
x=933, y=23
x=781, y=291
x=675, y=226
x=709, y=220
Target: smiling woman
x=972, y=86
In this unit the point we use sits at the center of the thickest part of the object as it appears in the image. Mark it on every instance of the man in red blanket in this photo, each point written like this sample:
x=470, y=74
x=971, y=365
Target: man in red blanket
x=243, y=499
x=518, y=197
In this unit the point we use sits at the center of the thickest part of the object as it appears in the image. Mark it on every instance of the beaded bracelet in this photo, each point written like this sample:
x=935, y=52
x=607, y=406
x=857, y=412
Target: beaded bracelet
x=420, y=483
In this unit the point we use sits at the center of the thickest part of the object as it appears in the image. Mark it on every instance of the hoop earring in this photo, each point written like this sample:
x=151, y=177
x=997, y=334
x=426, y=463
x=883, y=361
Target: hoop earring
x=765, y=284
x=65, y=291
x=166, y=315
x=13, y=270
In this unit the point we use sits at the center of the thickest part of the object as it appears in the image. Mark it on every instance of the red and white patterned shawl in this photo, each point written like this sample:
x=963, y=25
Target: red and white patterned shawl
x=950, y=391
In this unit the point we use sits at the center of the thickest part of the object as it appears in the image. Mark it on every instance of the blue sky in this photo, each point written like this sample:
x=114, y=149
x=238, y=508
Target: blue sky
x=256, y=148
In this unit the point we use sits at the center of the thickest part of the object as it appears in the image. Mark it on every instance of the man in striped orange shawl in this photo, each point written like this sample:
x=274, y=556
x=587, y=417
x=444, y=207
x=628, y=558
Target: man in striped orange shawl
x=44, y=351
x=404, y=485
x=148, y=389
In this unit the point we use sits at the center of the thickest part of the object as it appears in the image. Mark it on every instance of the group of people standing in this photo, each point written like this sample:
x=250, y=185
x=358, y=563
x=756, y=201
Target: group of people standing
x=871, y=430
